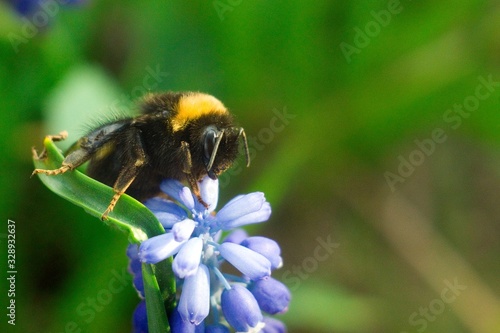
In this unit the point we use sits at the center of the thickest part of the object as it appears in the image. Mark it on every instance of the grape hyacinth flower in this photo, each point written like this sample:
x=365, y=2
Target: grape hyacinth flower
x=45, y=7
x=193, y=237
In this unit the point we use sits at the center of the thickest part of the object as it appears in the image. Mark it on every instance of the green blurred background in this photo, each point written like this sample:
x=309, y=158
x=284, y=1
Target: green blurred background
x=339, y=99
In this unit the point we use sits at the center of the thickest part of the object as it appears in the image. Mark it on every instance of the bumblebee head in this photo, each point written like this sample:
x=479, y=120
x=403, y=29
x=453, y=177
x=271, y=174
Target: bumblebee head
x=205, y=123
x=220, y=148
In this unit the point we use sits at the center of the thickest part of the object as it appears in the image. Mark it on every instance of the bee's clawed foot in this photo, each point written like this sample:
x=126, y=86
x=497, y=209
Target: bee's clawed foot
x=58, y=137
x=54, y=172
x=200, y=200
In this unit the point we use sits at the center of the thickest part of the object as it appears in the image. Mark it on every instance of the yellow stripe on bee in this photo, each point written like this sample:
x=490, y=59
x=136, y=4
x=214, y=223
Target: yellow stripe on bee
x=194, y=105
x=104, y=151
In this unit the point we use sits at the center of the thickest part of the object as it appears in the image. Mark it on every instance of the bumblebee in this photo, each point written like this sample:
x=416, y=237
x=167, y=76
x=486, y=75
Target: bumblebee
x=184, y=136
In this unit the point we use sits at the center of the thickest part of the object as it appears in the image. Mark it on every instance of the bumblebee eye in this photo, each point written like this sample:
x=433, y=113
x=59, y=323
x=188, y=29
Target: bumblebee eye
x=209, y=143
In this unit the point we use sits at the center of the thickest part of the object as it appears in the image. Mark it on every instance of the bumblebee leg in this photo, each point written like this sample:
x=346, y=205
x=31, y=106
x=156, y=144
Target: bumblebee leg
x=126, y=177
x=59, y=137
x=186, y=168
x=131, y=168
x=193, y=183
x=72, y=161
x=187, y=163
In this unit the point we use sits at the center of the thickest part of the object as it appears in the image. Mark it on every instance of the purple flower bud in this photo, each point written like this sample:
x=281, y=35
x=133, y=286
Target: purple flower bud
x=237, y=236
x=179, y=325
x=244, y=209
x=267, y=247
x=140, y=318
x=250, y=263
x=218, y=328
x=240, y=308
x=273, y=326
x=182, y=230
x=186, y=262
x=272, y=296
x=157, y=248
x=194, y=303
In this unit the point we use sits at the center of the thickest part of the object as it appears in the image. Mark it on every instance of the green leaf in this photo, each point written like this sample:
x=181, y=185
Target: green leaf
x=157, y=321
x=129, y=215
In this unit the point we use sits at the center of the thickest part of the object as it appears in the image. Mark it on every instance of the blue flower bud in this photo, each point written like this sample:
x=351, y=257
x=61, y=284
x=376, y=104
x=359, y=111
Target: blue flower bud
x=240, y=308
x=179, y=325
x=139, y=285
x=209, y=191
x=157, y=248
x=267, y=247
x=182, y=230
x=244, y=209
x=187, y=198
x=237, y=236
x=186, y=262
x=172, y=188
x=160, y=204
x=140, y=318
x=273, y=326
x=194, y=303
x=167, y=212
x=250, y=263
x=272, y=296
x=135, y=268
x=135, y=265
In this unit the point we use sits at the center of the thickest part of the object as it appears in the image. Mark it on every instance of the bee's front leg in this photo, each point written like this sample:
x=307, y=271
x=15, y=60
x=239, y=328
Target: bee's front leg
x=72, y=161
x=186, y=168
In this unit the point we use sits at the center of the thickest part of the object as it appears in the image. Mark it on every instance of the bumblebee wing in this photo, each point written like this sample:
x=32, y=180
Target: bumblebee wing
x=88, y=146
x=102, y=135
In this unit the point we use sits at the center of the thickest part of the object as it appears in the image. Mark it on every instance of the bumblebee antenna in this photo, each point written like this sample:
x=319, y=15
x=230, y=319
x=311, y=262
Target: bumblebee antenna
x=214, y=152
x=247, y=152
